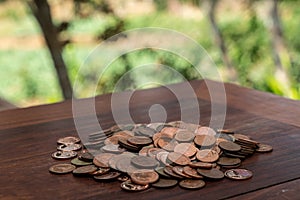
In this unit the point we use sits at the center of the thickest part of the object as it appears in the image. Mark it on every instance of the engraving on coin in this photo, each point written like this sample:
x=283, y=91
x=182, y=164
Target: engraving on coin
x=207, y=155
x=144, y=177
x=62, y=168
x=191, y=184
x=129, y=186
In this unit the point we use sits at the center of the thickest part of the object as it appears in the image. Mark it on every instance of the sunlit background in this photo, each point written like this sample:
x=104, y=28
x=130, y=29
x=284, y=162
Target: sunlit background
x=253, y=43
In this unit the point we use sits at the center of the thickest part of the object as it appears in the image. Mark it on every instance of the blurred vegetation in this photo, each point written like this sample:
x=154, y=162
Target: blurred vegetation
x=28, y=78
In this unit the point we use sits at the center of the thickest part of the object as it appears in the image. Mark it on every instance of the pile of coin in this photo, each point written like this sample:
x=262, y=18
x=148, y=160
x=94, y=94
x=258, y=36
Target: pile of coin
x=160, y=155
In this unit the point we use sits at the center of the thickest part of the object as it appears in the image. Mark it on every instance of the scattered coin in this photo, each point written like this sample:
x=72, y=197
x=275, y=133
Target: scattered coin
x=226, y=161
x=86, y=156
x=144, y=177
x=169, y=170
x=167, y=144
x=186, y=149
x=264, y=148
x=204, y=130
x=191, y=172
x=123, y=178
x=160, y=171
x=165, y=183
x=184, y=136
x=68, y=140
x=212, y=173
x=85, y=170
x=191, y=184
x=62, y=155
x=107, y=176
x=238, y=174
x=112, y=148
x=144, y=162
x=139, y=140
x=69, y=147
x=62, y=168
x=229, y=146
x=202, y=165
x=179, y=171
x=129, y=186
x=205, y=140
x=178, y=159
x=78, y=162
x=207, y=155
x=100, y=171
x=101, y=160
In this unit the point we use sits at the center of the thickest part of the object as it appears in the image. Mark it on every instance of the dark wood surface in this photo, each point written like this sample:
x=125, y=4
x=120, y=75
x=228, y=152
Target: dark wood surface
x=28, y=137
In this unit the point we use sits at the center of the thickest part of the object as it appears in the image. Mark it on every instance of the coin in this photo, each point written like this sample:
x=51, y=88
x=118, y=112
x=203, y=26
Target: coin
x=86, y=156
x=139, y=140
x=152, y=152
x=100, y=171
x=107, y=176
x=123, y=143
x=144, y=162
x=162, y=157
x=144, y=131
x=114, y=140
x=123, y=178
x=205, y=140
x=165, y=183
x=207, y=155
x=184, y=136
x=129, y=186
x=186, y=149
x=179, y=171
x=241, y=136
x=85, y=170
x=69, y=147
x=101, y=160
x=78, y=162
x=201, y=165
x=68, y=140
x=212, y=173
x=229, y=146
x=264, y=148
x=167, y=144
x=191, y=184
x=226, y=161
x=144, y=177
x=238, y=174
x=226, y=131
x=124, y=164
x=170, y=131
x=204, y=130
x=62, y=155
x=191, y=172
x=160, y=171
x=112, y=148
x=61, y=168
x=169, y=171
x=178, y=159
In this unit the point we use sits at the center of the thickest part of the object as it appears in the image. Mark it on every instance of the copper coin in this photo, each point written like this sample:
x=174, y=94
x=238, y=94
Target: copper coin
x=192, y=184
x=144, y=150
x=229, y=146
x=178, y=159
x=112, y=148
x=78, y=162
x=226, y=131
x=170, y=131
x=85, y=170
x=165, y=183
x=264, y=148
x=241, y=136
x=204, y=130
x=184, y=136
x=144, y=177
x=69, y=147
x=123, y=143
x=101, y=160
x=68, y=140
x=191, y=172
x=107, y=176
x=62, y=168
x=129, y=186
x=144, y=162
x=169, y=171
x=202, y=165
x=179, y=171
x=207, y=155
x=186, y=149
x=152, y=152
x=212, y=173
x=160, y=171
x=62, y=155
x=113, y=139
x=139, y=140
x=100, y=171
x=167, y=144
x=238, y=174
x=226, y=161
x=205, y=140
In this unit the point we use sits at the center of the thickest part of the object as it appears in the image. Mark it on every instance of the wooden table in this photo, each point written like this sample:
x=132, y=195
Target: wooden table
x=28, y=137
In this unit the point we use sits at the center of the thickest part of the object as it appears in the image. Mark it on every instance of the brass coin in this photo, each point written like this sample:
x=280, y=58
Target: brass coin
x=264, y=148
x=169, y=171
x=129, y=186
x=184, y=136
x=212, y=173
x=226, y=161
x=101, y=160
x=68, y=140
x=78, y=162
x=186, y=149
x=202, y=165
x=144, y=162
x=191, y=184
x=167, y=144
x=229, y=146
x=85, y=170
x=139, y=140
x=100, y=171
x=144, y=177
x=62, y=155
x=204, y=130
x=165, y=183
x=179, y=171
x=238, y=174
x=191, y=172
x=69, y=147
x=178, y=159
x=207, y=155
x=61, y=168
x=205, y=140
x=107, y=176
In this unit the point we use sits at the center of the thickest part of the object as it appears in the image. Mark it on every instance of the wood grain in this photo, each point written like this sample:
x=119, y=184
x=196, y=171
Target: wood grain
x=28, y=137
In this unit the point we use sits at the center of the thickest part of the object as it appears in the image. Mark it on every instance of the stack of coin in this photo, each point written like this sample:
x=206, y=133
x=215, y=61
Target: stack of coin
x=161, y=155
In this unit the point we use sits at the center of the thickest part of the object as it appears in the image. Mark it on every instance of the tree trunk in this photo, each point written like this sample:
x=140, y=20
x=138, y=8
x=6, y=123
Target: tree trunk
x=232, y=75
x=41, y=11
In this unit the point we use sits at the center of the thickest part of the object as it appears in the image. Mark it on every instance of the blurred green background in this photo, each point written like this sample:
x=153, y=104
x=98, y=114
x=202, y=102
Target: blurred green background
x=258, y=56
